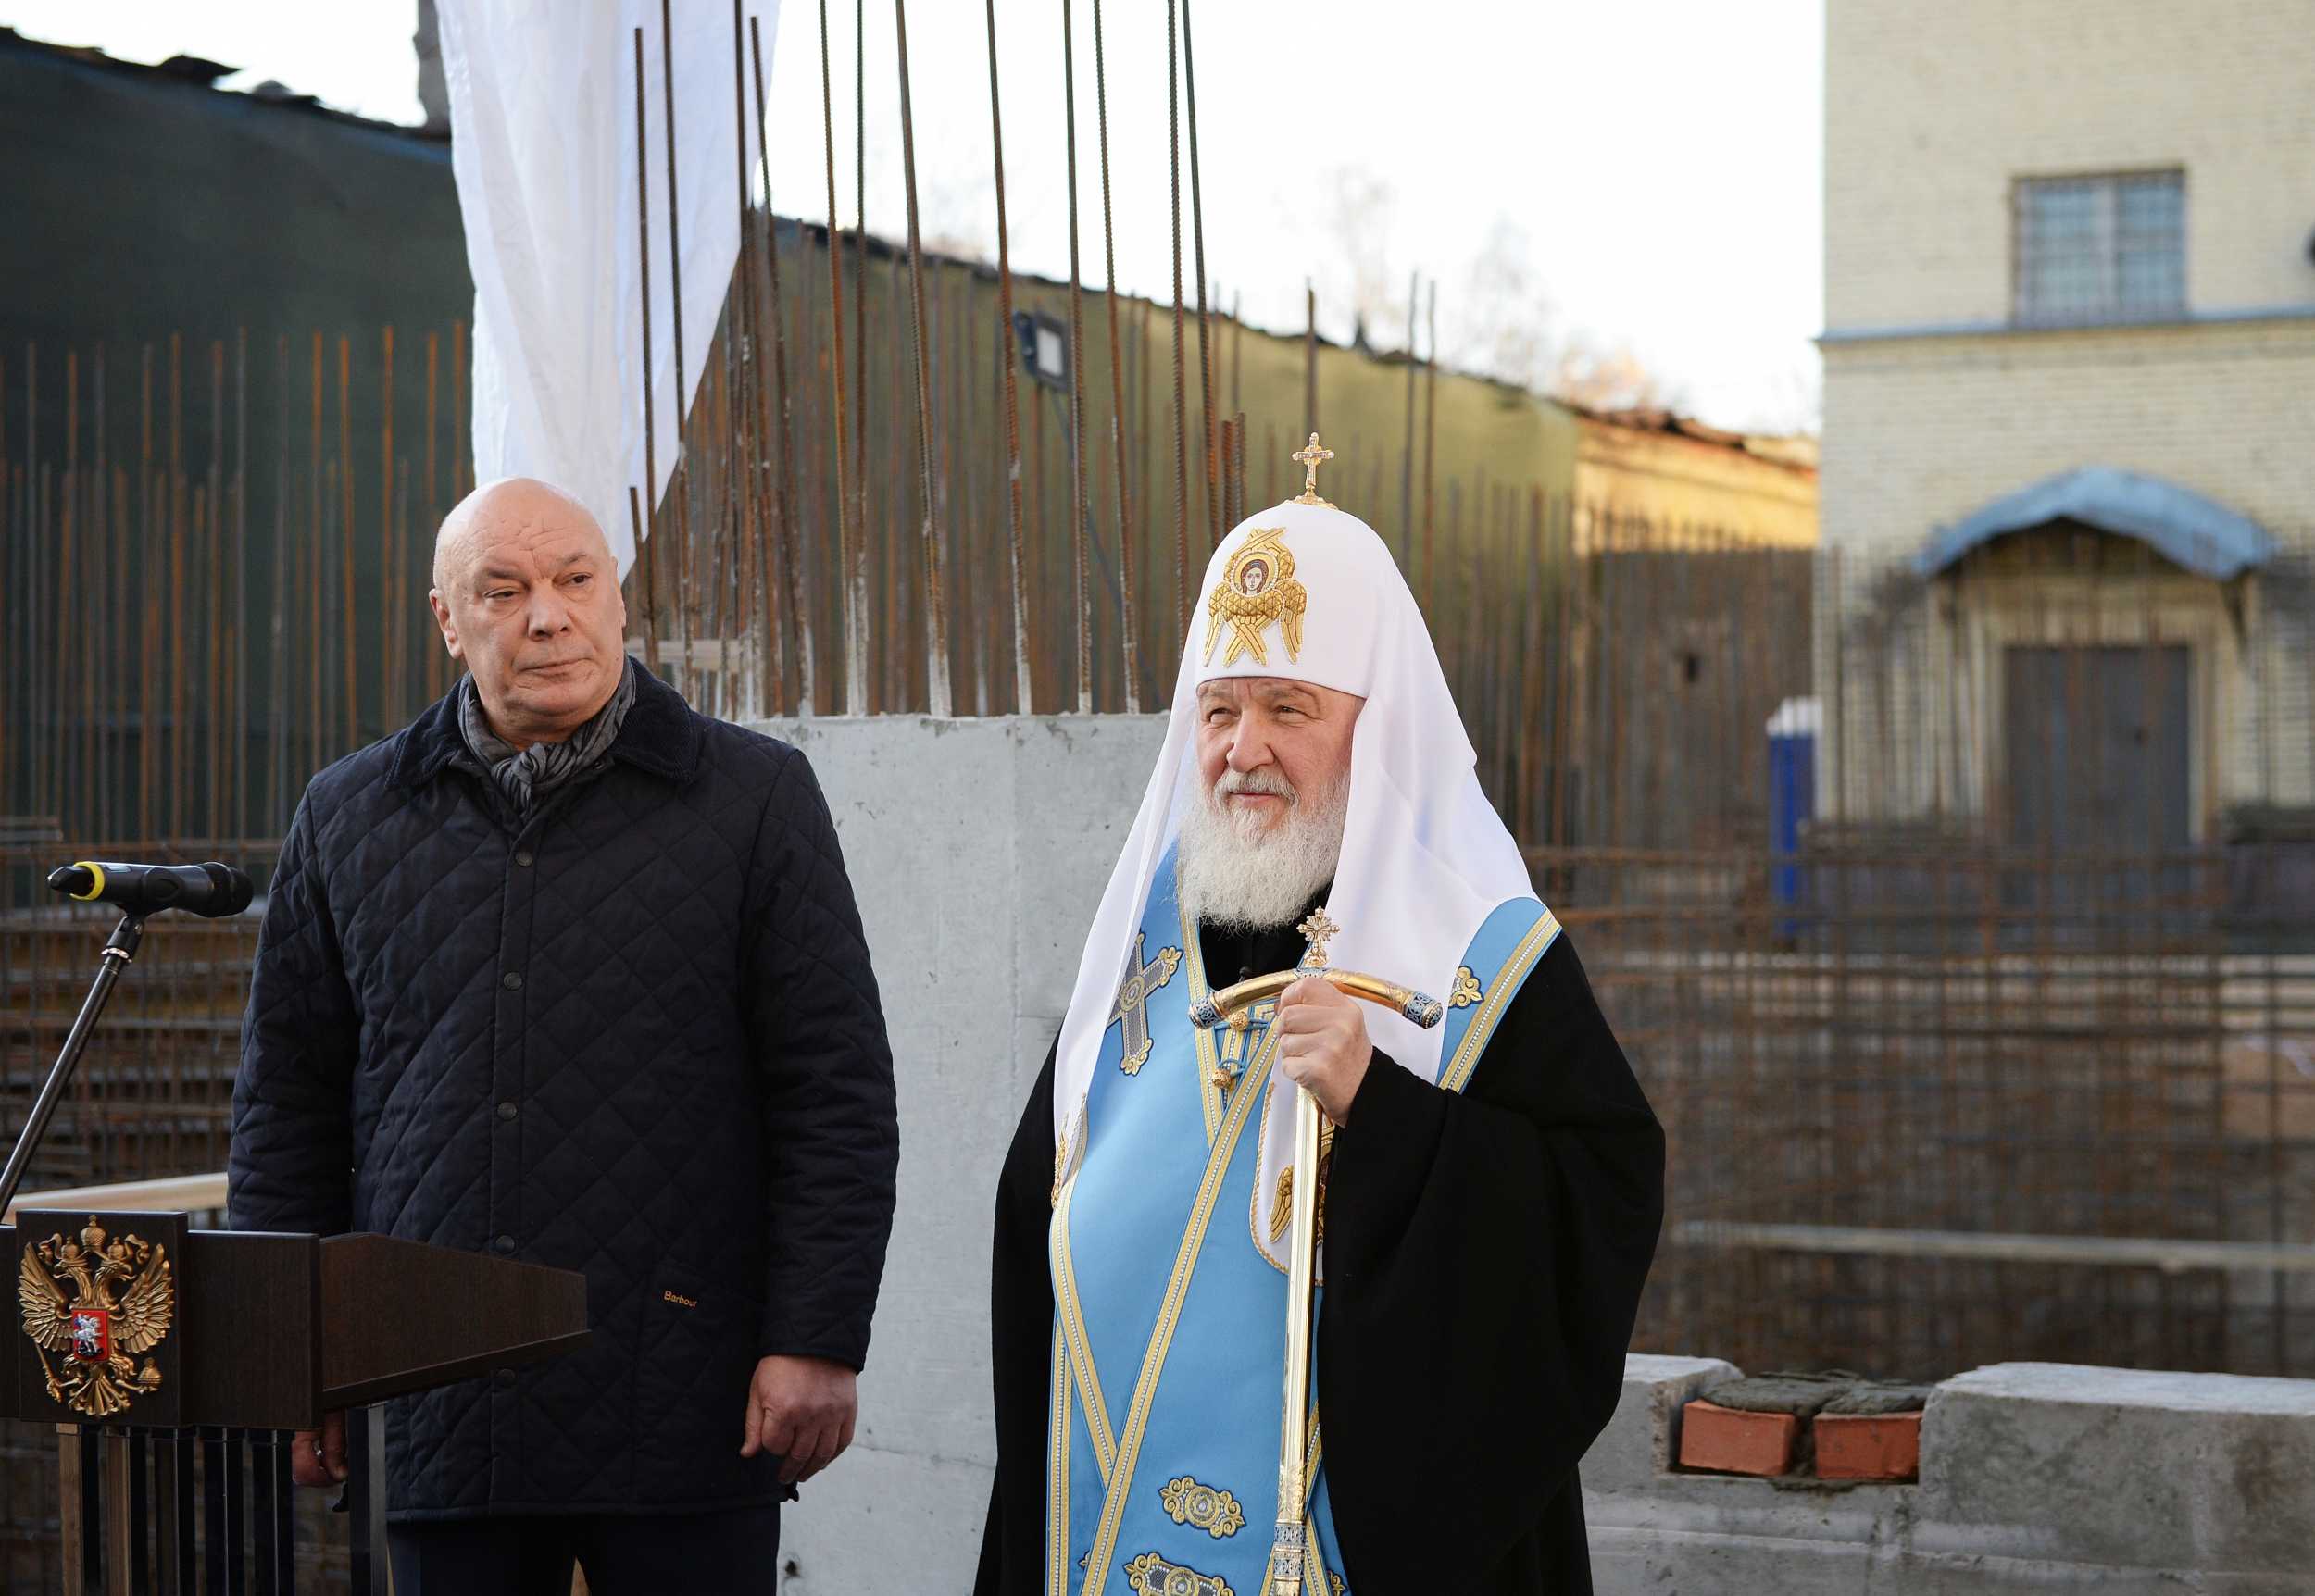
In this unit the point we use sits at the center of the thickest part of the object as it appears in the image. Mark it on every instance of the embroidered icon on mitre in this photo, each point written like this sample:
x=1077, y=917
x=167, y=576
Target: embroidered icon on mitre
x=1257, y=590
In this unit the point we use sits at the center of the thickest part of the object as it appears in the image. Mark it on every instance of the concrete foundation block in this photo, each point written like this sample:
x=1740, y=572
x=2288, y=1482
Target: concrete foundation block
x=1643, y=1437
x=2212, y=1473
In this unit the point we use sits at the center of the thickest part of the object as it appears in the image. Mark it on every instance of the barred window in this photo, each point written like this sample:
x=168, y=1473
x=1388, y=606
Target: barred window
x=2101, y=248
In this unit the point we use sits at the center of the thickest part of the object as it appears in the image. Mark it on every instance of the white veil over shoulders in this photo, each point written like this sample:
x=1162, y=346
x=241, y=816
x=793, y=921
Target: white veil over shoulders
x=1426, y=859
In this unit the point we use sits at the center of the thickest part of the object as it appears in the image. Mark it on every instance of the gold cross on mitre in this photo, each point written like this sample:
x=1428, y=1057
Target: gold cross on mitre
x=1316, y=930
x=1312, y=455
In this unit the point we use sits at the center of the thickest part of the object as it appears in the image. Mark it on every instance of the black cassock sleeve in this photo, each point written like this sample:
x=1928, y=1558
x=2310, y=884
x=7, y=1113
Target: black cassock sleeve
x=1021, y=1337
x=1484, y=1255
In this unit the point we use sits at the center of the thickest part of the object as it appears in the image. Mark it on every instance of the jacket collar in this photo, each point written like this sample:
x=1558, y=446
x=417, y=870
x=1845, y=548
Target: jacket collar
x=661, y=734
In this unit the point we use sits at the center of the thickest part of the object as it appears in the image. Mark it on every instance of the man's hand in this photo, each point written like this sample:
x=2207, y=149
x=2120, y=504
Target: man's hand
x=317, y=1456
x=802, y=1409
x=1322, y=1043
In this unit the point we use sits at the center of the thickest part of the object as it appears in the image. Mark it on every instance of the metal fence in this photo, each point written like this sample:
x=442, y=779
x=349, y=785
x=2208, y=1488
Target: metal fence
x=2010, y=1052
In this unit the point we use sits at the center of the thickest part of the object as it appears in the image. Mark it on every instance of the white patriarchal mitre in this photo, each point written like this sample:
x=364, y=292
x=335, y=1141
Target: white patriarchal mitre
x=1305, y=591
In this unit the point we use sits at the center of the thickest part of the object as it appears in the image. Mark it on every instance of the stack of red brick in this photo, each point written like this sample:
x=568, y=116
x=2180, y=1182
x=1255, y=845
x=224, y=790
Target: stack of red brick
x=1828, y=1427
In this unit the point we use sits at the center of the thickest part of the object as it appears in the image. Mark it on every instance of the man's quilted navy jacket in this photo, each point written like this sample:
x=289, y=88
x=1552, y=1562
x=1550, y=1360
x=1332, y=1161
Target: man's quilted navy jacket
x=636, y=1035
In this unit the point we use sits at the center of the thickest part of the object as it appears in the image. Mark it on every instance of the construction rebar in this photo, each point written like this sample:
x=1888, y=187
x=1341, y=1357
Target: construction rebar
x=935, y=620
x=1211, y=463
x=1023, y=698
x=1127, y=613
x=1080, y=506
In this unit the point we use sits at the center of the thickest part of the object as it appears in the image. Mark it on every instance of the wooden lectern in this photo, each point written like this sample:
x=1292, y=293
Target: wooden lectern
x=175, y=1363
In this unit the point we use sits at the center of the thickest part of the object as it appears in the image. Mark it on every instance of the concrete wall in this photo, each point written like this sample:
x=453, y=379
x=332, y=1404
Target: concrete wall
x=979, y=850
x=2035, y=1477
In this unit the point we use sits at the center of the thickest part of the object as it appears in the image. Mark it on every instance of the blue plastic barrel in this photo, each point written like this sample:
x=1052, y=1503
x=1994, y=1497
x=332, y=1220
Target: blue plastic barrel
x=1792, y=796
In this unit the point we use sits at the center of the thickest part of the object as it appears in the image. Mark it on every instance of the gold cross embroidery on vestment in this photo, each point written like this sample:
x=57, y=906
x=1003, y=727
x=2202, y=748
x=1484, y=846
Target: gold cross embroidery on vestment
x=1132, y=1009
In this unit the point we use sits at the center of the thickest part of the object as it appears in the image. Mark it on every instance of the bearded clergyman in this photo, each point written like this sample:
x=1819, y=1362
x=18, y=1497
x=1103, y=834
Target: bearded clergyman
x=1490, y=1186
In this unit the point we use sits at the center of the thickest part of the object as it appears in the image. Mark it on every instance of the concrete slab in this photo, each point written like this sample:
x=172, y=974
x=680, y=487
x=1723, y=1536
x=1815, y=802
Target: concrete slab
x=2213, y=1472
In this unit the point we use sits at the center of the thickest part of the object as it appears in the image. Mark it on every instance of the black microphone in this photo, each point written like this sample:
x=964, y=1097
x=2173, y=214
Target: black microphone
x=212, y=890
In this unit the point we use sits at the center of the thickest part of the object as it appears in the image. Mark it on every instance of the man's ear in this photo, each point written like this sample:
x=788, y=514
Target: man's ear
x=449, y=626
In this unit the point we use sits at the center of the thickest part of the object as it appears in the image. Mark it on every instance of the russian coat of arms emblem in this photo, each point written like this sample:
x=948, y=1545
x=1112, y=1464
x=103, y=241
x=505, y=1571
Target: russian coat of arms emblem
x=93, y=1305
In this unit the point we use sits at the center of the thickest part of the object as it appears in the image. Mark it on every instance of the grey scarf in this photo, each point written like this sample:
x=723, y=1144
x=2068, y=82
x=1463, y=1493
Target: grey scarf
x=529, y=775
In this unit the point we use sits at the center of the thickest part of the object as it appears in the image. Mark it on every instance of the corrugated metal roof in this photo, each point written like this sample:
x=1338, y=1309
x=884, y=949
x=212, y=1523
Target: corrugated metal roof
x=2184, y=527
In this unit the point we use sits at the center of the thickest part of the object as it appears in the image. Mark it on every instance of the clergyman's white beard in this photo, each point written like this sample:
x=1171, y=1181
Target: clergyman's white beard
x=1233, y=872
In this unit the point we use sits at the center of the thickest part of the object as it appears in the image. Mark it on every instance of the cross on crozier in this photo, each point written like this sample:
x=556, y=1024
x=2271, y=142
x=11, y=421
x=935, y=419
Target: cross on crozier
x=1131, y=1008
x=1311, y=457
x=1316, y=930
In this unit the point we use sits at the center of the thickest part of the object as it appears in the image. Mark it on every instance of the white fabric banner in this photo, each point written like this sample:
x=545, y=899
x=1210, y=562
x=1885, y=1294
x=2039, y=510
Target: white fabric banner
x=543, y=144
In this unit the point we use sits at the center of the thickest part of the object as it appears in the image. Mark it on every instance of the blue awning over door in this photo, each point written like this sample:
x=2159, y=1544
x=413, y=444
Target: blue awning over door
x=2190, y=530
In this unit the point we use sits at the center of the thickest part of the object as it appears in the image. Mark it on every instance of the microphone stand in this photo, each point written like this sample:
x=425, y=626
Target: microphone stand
x=118, y=952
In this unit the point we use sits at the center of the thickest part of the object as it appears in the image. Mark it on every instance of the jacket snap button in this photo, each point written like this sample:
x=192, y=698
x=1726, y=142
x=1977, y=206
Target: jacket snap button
x=511, y=980
x=506, y=1377
x=505, y=1243
x=523, y=858
x=507, y=1111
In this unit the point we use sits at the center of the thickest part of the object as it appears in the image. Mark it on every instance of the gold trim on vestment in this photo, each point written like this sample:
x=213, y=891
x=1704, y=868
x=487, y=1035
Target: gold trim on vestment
x=1169, y=1315
x=1457, y=1072
x=1057, y=1484
x=1072, y=1316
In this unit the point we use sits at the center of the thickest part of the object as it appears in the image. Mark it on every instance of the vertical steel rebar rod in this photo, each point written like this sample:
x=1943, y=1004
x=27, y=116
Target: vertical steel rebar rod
x=936, y=685
x=1022, y=695
x=686, y=574
x=1309, y=356
x=388, y=567
x=860, y=302
x=848, y=535
x=1128, y=620
x=1079, y=508
x=1204, y=322
x=1407, y=452
x=744, y=455
x=784, y=503
x=346, y=563
x=316, y=543
x=1181, y=392
x=1429, y=441
x=646, y=525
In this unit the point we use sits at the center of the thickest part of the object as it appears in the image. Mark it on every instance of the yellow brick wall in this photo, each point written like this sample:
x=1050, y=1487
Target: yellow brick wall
x=1918, y=432
x=1933, y=108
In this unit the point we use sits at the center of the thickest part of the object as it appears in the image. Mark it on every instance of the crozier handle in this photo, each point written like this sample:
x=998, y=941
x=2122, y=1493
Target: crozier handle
x=1420, y=1007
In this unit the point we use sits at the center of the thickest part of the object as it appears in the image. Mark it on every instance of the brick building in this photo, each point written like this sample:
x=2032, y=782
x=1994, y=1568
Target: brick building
x=2069, y=471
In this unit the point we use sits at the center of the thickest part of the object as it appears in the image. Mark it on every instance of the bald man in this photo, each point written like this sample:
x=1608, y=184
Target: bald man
x=568, y=973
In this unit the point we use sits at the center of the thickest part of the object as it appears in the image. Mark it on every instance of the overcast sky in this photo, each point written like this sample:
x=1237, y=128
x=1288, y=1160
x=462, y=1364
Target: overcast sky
x=1645, y=174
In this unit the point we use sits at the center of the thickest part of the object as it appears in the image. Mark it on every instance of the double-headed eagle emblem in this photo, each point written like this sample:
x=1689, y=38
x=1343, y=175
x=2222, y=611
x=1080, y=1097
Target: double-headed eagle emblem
x=1257, y=588
x=121, y=1301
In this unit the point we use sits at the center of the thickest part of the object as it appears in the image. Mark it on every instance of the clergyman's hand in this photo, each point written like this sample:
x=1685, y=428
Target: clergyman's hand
x=802, y=1409
x=317, y=1456
x=1322, y=1043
